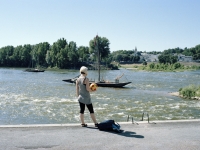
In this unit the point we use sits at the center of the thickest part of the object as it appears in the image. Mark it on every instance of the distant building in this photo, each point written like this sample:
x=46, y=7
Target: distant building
x=149, y=57
x=184, y=58
x=154, y=58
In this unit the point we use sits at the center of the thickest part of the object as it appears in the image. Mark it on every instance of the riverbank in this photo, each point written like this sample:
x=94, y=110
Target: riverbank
x=140, y=66
x=177, y=94
x=165, y=135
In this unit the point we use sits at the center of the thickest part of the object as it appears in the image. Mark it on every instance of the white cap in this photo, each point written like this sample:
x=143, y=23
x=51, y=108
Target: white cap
x=84, y=70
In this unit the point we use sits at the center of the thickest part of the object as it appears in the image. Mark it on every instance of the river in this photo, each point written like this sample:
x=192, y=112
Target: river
x=43, y=98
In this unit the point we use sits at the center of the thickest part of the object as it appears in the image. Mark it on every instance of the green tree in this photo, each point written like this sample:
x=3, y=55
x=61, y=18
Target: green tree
x=102, y=44
x=126, y=57
x=187, y=52
x=41, y=51
x=196, y=56
x=162, y=59
x=167, y=58
x=6, y=56
x=136, y=58
x=173, y=59
x=63, y=58
x=17, y=56
x=119, y=57
x=83, y=53
x=48, y=58
x=55, y=56
x=73, y=54
x=26, y=55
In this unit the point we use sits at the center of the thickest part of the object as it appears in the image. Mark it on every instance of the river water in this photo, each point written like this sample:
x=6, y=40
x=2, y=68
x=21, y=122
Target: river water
x=43, y=98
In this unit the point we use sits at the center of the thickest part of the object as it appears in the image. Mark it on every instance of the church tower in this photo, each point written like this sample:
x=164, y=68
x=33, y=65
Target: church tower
x=135, y=51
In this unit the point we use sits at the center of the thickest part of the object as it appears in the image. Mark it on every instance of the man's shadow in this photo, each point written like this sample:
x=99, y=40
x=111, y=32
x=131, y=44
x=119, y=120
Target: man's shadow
x=121, y=133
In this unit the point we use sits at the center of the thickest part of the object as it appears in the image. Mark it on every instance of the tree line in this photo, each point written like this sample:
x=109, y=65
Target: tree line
x=170, y=55
x=61, y=54
x=65, y=55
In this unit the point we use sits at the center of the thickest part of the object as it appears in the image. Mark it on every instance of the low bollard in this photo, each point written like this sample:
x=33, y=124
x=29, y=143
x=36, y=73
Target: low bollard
x=133, y=122
x=147, y=118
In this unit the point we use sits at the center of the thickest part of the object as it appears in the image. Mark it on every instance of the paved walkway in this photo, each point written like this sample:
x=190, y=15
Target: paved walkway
x=165, y=135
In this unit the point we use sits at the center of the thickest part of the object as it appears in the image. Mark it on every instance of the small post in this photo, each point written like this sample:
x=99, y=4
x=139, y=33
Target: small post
x=142, y=116
x=128, y=118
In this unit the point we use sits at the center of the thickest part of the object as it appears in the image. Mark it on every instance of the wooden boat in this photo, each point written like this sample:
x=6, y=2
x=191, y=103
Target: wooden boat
x=34, y=70
x=112, y=84
x=73, y=80
x=69, y=80
x=101, y=83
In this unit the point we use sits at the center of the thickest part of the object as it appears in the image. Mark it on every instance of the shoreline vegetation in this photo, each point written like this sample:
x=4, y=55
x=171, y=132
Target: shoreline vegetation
x=155, y=66
x=190, y=92
x=178, y=95
x=89, y=66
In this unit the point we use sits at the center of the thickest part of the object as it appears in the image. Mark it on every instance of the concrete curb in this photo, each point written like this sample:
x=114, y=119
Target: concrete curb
x=73, y=125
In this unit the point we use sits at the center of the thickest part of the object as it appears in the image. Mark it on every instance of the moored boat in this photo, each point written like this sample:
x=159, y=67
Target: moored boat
x=112, y=84
x=34, y=70
x=101, y=83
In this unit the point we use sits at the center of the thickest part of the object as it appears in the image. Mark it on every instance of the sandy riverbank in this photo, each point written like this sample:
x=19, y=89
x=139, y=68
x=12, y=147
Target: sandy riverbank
x=177, y=94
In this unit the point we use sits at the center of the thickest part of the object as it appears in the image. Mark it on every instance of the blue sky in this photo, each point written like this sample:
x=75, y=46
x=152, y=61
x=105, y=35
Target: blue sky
x=149, y=25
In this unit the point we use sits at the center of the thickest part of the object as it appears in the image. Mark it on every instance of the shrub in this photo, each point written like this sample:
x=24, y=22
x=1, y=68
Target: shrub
x=113, y=67
x=190, y=91
x=151, y=66
x=177, y=65
x=198, y=92
x=144, y=63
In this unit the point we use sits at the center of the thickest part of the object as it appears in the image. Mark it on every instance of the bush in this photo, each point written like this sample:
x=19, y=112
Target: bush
x=144, y=63
x=190, y=91
x=113, y=67
x=177, y=65
x=151, y=66
x=198, y=92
